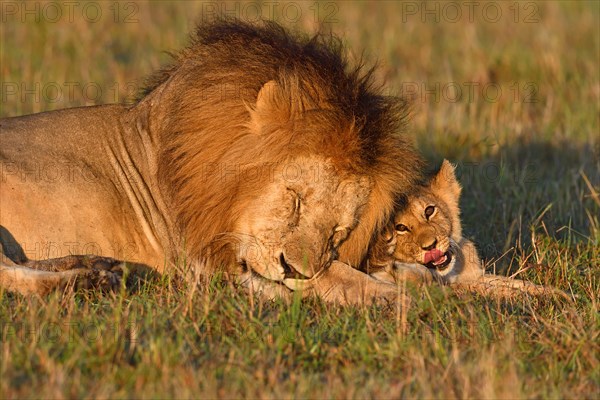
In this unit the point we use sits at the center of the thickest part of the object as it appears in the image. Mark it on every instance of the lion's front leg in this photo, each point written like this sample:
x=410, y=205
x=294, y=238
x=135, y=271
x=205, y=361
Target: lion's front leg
x=502, y=287
x=472, y=278
x=73, y=262
x=20, y=274
x=43, y=276
x=400, y=273
x=264, y=288
x=28, y=281
x=342, y=284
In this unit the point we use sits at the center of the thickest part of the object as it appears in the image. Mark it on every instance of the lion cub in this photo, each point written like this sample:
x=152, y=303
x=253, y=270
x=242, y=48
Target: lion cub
x=425, y=241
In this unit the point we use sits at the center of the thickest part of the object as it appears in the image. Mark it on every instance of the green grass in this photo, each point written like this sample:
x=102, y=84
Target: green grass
x=526, y=204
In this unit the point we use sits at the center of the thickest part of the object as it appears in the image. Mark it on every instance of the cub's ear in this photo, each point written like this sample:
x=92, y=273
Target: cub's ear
x=445, y=184
x=388, y=231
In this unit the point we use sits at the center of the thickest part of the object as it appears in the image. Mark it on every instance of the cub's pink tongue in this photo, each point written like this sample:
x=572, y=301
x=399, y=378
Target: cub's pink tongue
x=433, y=255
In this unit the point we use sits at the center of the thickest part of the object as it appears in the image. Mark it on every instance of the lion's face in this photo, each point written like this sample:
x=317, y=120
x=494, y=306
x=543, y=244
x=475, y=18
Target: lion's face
x=428, y=229
x=293, y=227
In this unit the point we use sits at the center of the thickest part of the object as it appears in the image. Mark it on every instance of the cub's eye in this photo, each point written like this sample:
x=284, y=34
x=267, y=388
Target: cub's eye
x=429, y=210
x=401, y=228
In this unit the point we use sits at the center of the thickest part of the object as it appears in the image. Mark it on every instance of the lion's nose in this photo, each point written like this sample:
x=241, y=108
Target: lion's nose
x=430, y=246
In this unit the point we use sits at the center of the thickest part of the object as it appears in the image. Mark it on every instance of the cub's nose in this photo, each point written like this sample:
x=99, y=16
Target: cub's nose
x=430, y=246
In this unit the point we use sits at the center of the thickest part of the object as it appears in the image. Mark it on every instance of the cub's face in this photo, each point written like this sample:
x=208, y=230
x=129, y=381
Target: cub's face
x=427, y=230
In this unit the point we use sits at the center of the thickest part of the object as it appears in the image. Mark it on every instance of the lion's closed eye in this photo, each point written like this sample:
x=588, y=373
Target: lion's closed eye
x=296, y=204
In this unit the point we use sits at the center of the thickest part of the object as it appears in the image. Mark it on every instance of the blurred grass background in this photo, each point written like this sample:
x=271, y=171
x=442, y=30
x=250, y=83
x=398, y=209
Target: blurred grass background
x=512, y=98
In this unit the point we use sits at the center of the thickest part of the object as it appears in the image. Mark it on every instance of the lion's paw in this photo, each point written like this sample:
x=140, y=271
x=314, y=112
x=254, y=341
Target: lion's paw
x=97, y=278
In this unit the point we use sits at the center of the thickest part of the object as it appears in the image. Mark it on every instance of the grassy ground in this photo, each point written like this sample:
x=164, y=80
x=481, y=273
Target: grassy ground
x=524, y=133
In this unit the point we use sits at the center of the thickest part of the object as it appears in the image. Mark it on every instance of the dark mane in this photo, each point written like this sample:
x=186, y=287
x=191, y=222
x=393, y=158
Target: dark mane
x=212, y=84
x=270, y=52
x=267, y=39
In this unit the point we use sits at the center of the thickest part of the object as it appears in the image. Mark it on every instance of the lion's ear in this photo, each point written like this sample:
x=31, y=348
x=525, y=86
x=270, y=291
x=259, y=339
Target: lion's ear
x=267, y=96
x=445, y=184
x=271, y=106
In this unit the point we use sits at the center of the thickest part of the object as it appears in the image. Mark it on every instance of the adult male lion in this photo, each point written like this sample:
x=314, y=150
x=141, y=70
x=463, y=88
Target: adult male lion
x=256, y=151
